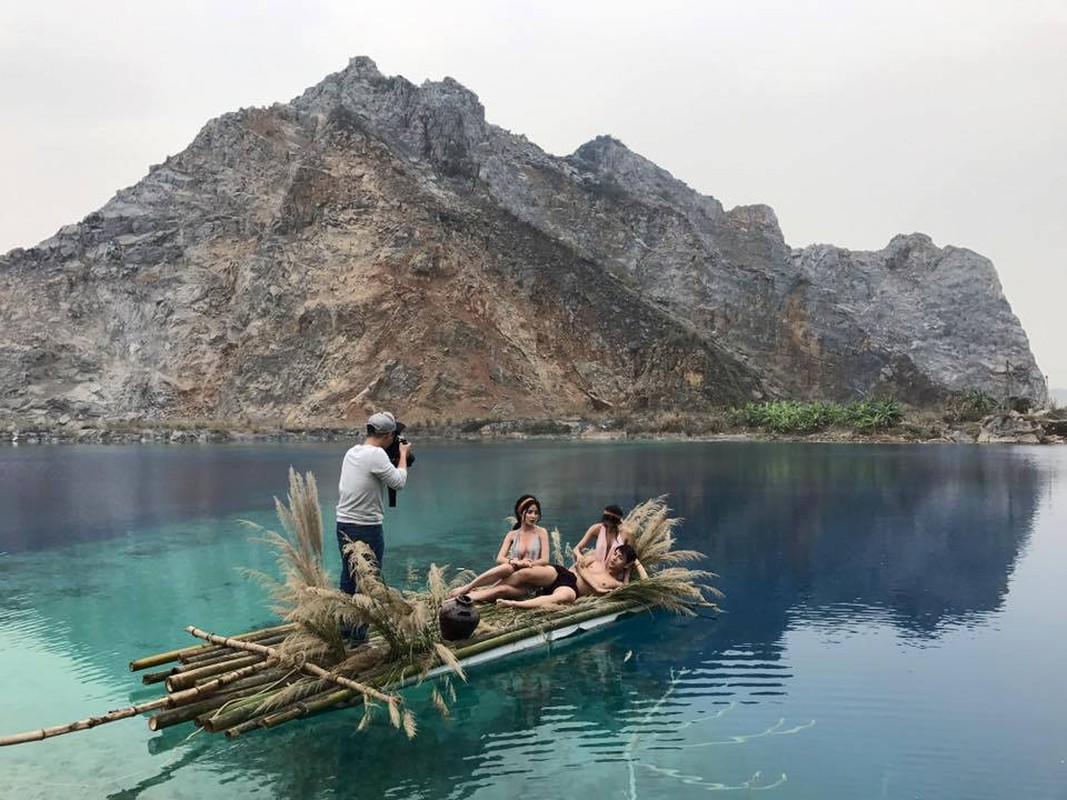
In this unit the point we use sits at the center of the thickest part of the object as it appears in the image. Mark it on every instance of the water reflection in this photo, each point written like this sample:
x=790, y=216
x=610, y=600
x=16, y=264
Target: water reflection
x=58, y=495
x=847, y=540
x=930, y=534
x=540, y=717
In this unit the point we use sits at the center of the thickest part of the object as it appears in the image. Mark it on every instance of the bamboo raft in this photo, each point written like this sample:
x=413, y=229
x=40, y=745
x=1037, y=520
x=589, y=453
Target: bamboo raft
x=223, y=685
x=263, y=678
x=224, y=696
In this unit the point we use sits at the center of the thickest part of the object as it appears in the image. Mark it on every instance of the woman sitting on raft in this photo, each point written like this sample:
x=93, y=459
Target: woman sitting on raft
x=558, y=585
x=525, y=545
x=610, y=535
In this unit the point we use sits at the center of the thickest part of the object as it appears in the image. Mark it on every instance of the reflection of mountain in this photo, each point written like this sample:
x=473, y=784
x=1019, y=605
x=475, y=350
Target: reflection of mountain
x=923, y=536
x=54, y=496
x=929, y=534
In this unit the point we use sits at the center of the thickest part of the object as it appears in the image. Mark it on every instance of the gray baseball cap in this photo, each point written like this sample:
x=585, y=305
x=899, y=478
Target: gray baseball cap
x=382, y=422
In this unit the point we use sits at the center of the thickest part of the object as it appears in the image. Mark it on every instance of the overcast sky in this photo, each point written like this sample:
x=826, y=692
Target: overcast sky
x=853, y=120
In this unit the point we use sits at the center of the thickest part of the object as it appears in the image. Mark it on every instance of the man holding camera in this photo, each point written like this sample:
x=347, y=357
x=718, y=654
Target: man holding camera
x=365, y=472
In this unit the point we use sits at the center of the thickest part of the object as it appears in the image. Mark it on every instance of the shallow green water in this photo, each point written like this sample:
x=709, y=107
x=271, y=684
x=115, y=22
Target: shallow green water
x=895, y=625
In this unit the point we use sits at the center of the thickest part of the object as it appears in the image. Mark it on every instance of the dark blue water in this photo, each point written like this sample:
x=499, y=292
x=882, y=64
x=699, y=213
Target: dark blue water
x=894, y=624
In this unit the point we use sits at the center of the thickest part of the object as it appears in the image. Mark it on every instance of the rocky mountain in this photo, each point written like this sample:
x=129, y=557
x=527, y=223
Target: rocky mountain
x=377, y=244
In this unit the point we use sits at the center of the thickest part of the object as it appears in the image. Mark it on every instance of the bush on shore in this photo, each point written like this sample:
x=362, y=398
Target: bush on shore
x=798, y=417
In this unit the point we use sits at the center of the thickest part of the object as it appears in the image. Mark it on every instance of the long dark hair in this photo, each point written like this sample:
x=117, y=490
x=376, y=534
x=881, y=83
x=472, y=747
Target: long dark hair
x=521, y=505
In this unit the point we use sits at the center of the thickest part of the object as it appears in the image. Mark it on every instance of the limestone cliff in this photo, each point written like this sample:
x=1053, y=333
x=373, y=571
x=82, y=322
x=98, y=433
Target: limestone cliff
x=377, y=244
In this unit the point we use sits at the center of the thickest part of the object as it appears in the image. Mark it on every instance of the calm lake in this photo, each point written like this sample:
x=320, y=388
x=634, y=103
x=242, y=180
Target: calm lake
x=895, y=624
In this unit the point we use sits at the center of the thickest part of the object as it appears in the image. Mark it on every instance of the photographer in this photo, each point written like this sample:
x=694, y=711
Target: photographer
x=365, y=472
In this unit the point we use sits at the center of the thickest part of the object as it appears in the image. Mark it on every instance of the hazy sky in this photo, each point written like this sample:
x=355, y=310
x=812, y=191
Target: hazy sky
x=853, y=120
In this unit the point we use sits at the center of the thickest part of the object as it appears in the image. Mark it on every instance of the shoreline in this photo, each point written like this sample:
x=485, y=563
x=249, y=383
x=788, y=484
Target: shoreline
x=1009, y=428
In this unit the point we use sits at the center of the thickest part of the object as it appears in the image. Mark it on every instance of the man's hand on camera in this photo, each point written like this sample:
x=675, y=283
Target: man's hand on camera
x=405, y=448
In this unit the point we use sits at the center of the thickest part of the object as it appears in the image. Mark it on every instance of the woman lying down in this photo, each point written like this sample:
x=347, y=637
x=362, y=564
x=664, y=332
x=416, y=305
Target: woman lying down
x=558, y=585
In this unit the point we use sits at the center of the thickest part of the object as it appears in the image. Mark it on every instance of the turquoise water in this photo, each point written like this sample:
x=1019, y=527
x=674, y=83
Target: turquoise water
x=895, y=624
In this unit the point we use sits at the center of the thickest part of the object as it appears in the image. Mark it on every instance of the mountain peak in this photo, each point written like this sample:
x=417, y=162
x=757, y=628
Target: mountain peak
x=377, y=244
x=363, y=66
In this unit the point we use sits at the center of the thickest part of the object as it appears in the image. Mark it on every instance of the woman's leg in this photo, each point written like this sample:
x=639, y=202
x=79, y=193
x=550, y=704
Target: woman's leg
x=517, y=584
x=561, y=597
x=498, y=591
x=491, y=575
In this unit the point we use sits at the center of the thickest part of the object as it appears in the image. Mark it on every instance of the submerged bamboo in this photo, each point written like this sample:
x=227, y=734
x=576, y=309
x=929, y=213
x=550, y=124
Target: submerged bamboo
x=332, y=698
x=239, y=709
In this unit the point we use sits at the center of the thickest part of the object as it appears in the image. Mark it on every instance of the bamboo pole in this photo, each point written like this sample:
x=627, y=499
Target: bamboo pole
x=307, y=666
x=243, y=709
x=274, y=674
x=183, y=680
x=222, y=653
x=307, y=706
x=226, y=718
x=149, y=678
x=195, y=705
x=83, y=724
x=303, y=708
x=241, y=719
x=243, y=727
x=169, y=701
x=188, y=711
x=245, y=642
x=187, y=695
x=175, y=655
x=227, y=654
x=233, y=727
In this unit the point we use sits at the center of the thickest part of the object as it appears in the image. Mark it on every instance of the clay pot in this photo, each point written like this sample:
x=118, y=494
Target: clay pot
x=458, y=618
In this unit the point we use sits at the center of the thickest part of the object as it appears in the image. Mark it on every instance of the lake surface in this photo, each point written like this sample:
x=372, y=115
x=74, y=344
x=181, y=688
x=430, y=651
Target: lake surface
x=895, y=624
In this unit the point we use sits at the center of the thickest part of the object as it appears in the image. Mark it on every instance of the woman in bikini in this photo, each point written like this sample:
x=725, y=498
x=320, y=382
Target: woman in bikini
x=556, y=585
x=525, y=545
x=609, y=535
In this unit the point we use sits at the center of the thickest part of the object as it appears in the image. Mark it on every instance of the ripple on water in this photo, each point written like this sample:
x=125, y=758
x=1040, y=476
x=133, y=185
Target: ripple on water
x=39, y=655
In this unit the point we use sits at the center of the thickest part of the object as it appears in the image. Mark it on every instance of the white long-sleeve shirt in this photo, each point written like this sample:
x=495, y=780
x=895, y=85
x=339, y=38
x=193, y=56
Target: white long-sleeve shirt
x=365, y=472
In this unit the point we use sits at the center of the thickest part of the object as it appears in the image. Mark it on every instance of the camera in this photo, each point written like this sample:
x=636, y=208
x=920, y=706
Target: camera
x=393, y=451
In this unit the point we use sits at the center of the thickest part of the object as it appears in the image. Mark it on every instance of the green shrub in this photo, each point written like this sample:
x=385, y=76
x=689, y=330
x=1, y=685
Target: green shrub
x=972, y=405
x=794, y=416
x=545, y=427
x=874, y=415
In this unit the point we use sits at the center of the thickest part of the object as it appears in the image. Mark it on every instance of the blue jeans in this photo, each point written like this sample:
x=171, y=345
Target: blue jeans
x=374, y=537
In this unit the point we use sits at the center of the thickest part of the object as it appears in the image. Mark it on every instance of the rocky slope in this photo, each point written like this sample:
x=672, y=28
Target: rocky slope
x=377, y=244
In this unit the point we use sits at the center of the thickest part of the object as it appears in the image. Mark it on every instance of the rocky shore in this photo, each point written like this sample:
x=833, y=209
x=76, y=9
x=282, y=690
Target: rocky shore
x=1041, y=427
